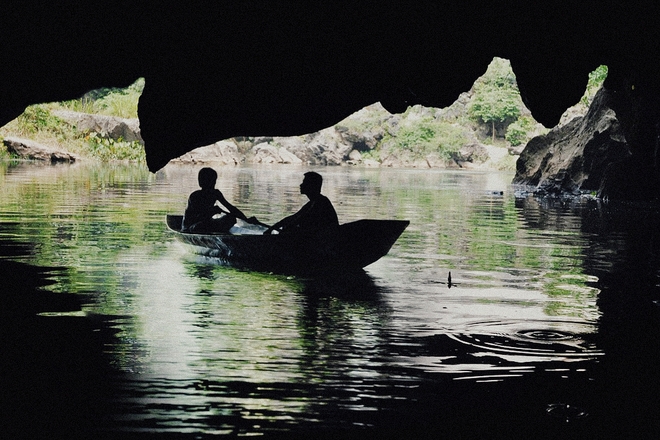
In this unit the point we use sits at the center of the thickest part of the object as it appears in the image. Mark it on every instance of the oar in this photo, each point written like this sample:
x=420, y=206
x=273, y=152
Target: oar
x=253, y=221
x=257, y=222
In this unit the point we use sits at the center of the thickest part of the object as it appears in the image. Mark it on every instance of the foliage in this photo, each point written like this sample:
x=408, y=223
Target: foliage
x=40, y=124
x=110, y=101
x=427, y=135
x=37, y=118
x=109, y=149
x=4, y=154
x=496, y=99
x=517, y=132
x=596, y=80
x=371, y=155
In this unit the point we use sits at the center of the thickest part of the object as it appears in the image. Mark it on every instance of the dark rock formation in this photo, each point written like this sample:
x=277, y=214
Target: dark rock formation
x=216, y=70
x=573, y=157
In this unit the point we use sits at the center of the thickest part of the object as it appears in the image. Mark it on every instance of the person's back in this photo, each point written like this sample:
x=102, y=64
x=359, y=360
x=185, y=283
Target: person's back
x=201, y=208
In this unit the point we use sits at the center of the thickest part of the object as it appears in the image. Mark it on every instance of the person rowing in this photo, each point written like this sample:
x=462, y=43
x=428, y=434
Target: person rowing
x=201, y=214
x=315, y=216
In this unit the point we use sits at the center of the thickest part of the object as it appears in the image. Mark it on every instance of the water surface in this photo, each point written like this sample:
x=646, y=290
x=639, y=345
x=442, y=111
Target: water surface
x=548, y=327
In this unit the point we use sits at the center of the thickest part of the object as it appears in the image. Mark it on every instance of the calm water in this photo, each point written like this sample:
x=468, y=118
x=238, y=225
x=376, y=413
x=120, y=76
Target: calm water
x=549, y=328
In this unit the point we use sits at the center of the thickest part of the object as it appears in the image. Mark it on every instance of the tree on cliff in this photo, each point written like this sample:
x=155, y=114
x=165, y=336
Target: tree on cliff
x=496, y=101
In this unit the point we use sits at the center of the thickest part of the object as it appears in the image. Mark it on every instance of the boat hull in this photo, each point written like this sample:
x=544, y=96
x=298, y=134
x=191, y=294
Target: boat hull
x=353, y=247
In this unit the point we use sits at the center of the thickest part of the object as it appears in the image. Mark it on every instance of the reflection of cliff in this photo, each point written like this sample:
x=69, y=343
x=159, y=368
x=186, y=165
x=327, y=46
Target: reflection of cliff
x=625, y=255
x=623, y=252
x=54, y=375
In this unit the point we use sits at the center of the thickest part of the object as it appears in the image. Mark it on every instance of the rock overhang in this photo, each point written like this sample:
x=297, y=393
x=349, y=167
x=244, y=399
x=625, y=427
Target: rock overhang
x=277, y=68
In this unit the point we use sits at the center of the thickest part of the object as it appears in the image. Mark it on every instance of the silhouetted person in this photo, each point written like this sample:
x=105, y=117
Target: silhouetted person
x=317, y=215
x=201, y=209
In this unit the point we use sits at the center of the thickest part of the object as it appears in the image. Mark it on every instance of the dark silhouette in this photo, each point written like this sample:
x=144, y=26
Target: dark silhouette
x=201, y=210
x=317, y=215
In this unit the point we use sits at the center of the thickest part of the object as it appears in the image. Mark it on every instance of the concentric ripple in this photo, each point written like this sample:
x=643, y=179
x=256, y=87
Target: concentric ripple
x=566, y=412
x=531, y=340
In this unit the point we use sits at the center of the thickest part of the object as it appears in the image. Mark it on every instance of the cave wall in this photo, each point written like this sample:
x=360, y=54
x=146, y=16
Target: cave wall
x=573, y=158
x=216, y=70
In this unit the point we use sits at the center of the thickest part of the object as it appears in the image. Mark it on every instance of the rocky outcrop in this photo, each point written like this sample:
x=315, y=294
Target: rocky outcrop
x=220, y=153
x=268, y=153
x=353, y=141
x=31, y=150
x=281, y=68
x=119, y=129
x=326, y=147
x=573, y=157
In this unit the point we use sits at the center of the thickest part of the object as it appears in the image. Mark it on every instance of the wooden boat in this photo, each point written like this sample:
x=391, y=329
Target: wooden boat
x=354, y=246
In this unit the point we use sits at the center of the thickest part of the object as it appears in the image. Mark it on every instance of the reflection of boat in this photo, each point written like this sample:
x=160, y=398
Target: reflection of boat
x=354, y=246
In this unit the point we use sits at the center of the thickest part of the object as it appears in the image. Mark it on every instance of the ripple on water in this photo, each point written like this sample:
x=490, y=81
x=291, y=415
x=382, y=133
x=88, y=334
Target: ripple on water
x=566, y=412
x=531, y=341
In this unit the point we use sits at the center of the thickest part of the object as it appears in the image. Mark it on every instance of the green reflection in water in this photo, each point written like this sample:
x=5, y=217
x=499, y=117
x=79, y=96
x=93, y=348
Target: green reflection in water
x=104, y=224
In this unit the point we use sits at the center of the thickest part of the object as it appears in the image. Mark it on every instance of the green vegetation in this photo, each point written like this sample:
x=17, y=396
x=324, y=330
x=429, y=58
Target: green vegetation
x=596, y=80
x=40, y=123
x=107, y=149
x=420, y=137
x=493, y=107
x=496, y=101
x=518, y=132
x=37, y=120
x=118, y=102
x=494, y=113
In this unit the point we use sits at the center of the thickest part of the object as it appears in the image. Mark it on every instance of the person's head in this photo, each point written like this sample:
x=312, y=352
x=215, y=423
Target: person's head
x=207, y=178
x=311, y=183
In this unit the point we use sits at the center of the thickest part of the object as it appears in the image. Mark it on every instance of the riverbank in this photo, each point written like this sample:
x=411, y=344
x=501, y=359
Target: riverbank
x=371, y=138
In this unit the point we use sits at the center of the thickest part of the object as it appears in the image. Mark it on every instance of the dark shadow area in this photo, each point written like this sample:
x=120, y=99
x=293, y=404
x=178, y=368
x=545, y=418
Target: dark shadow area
x=623, y=252
x=54, y=375
x=625, y=255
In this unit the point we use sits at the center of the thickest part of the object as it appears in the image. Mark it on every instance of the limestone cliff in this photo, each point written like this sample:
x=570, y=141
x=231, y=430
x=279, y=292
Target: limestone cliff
x=573, y=157
x=216, y=70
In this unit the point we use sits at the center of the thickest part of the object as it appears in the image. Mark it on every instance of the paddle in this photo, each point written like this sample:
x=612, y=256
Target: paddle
x=251, y=220
x=254, y=221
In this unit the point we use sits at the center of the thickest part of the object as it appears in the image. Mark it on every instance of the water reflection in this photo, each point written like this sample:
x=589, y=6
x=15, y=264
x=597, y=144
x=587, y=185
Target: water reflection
x=550, y=328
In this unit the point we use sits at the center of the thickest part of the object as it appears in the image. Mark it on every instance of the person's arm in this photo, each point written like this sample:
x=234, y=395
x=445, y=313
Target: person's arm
x=231, y=208
x=235, y=211
x=282, y=223
x=291, y=220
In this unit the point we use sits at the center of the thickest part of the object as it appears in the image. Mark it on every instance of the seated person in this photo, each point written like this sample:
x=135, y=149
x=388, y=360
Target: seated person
x=317, y=215
x=201, y=209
